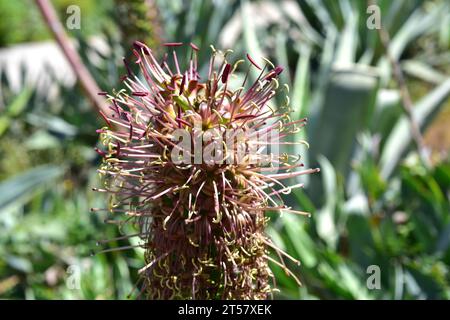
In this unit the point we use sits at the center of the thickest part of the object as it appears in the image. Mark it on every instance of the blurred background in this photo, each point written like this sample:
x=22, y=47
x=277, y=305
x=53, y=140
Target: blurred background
x=379, y=127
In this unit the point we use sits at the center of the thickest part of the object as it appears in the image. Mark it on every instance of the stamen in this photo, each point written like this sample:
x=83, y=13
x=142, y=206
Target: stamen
x=125, y=62
x=253, y=62
x=139, y=94
x=226, y=72
x=173, y=44
x=105, y=118
x=117, y=249
x=193, y=46
x=176, y=62
x=138, y=57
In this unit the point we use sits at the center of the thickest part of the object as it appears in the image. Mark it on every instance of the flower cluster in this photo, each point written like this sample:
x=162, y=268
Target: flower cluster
x=200, y=222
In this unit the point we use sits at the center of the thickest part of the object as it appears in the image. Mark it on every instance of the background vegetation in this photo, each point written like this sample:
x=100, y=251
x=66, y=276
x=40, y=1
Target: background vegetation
x=381, y=198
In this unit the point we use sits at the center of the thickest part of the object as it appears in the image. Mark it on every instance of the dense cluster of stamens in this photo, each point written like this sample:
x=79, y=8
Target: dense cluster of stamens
x=200, y=222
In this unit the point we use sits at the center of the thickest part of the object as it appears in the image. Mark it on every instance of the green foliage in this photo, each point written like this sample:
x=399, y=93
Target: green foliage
x=404, y=231
x=360, y=137
x=20, y=21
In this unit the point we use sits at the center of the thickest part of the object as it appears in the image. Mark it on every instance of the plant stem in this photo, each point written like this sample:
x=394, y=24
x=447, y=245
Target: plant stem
x=85, y=79
x=404, y=94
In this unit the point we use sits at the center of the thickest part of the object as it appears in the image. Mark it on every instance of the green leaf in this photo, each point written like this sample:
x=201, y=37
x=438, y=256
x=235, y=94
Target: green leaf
x=250, y=37
x=325, y=217
x=52, y=123
x=14, y=109
x=423, y=71
x=418, y=23
x=400, y=138
x=19, y=103
x=19, y=263
x=300, y=91
x=348, y=103
x=282, y=57
x=346, y=51
x=40, y=140
x=300, y=100
x=301, y=241
x=5, y=121
x=19, y=188
x=387, y=112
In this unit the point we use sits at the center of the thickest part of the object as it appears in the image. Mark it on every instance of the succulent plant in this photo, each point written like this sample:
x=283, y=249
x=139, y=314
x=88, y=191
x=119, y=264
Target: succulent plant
x=199, y=203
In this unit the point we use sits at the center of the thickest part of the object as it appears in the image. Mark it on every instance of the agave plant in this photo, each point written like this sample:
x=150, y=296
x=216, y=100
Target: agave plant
x=201, y=211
